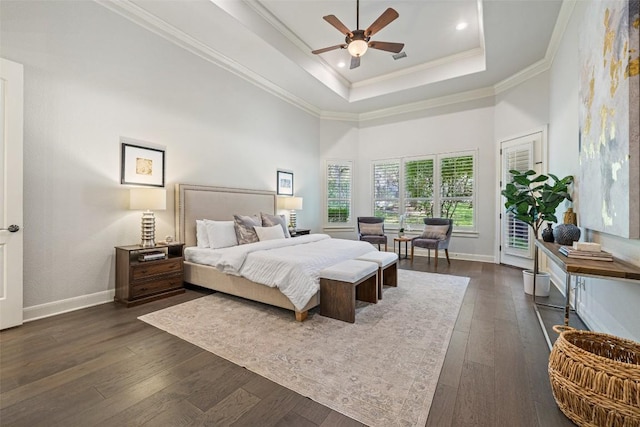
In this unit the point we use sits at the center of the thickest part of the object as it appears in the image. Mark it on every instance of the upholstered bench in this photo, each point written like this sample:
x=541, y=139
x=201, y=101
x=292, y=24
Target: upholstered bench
x=343, y=283
x=387, y=268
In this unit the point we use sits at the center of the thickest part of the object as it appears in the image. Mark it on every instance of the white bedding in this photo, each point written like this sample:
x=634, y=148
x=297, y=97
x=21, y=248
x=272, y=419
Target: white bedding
x=292, y=265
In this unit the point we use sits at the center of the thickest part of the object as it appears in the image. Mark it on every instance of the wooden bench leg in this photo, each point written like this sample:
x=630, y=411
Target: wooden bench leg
x=367, y=290
x=338, y=300
x=301, y=316
x=390, y=275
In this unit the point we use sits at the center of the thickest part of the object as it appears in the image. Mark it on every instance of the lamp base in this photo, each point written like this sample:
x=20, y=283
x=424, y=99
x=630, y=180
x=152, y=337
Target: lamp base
x=292, y=220
x=148, y=239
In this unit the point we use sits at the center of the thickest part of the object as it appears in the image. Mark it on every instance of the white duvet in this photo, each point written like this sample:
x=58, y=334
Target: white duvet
x=292, y=265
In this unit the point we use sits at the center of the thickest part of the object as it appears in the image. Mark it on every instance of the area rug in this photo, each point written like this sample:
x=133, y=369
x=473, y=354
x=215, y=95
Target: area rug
x=382, y=370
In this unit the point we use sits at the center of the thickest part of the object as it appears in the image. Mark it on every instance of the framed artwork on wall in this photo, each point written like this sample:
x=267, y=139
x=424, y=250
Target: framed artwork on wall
x=285, y=183
x=142, y=165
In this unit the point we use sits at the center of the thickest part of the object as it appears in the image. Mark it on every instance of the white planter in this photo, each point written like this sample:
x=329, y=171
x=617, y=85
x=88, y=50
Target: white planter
x=543, y=283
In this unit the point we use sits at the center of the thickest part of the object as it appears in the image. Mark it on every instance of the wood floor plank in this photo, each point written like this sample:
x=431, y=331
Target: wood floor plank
x=443, y=406
x=475, y=401
x=336, y=419
x=481, y=344
x=228, y=410
x=312, y=410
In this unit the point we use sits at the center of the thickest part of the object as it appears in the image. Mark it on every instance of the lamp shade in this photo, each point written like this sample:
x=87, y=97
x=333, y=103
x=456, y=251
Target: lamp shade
x=292, y=203
x=148, y=199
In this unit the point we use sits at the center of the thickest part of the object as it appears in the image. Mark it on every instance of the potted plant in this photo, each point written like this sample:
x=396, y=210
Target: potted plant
x=532, y=199
x=401, y=224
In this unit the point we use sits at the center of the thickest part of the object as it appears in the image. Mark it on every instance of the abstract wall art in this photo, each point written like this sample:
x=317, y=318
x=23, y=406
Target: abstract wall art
x=609, y=111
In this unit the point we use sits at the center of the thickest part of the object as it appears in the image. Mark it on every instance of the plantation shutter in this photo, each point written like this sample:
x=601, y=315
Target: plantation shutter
x=456, y=190
x=339, y=185
x=518, y=240
x=419, y=181
x=386, y=190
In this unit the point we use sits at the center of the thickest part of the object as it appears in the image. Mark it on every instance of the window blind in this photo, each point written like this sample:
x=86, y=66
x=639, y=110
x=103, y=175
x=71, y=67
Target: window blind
x=386, y=190
x=339, y=185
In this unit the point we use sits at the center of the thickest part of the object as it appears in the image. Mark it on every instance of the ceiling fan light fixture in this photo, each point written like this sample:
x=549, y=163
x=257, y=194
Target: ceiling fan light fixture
x=357, y=47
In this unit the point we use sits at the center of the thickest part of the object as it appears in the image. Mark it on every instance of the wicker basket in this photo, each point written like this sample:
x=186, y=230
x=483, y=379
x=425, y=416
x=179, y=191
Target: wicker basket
x=595, y=378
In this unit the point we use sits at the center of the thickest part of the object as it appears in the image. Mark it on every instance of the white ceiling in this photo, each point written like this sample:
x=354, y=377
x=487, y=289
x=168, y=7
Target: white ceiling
x=269, y=42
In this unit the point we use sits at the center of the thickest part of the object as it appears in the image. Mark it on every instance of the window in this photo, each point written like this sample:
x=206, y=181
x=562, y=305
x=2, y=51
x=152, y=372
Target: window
x=339, y=184
x=386, y=190
x=419, y=181
x=429, y=186
x=456, y=189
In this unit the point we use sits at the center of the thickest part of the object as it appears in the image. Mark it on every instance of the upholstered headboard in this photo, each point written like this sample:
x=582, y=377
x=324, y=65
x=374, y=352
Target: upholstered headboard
x=216, y=203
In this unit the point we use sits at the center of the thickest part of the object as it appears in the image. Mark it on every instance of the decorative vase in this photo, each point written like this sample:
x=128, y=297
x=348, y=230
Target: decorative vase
x=566, y=234
x=400, y=233
x=547, y=233
x=570, y=217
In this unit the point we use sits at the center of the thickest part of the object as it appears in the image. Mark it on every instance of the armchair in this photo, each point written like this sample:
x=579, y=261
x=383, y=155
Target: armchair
x=433, y=237
x=371, y=229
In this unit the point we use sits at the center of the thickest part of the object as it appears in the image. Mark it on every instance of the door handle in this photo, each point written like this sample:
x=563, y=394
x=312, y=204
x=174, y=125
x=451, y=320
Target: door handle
x=12, y=228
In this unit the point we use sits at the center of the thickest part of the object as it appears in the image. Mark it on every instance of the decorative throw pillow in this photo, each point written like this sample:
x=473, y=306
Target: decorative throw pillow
x=244, y=228
x=269, y=233
x=202, y=239
x=269, y=220
x=222, y=234
x=438, y=232
x=371, y=229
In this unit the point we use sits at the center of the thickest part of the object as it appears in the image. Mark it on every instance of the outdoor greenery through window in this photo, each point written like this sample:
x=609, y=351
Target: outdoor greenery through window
x=411, y=189
x=339, y=184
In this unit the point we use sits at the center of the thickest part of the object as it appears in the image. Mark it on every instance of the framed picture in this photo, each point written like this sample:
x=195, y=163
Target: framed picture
x=142, y=165
x=285, y=183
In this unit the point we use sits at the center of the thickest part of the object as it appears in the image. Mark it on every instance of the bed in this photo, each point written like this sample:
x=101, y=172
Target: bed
x=219, y=203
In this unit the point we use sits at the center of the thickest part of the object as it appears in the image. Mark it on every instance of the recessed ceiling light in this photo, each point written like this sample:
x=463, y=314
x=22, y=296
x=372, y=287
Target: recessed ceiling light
x=341, y=64
x=461, y=26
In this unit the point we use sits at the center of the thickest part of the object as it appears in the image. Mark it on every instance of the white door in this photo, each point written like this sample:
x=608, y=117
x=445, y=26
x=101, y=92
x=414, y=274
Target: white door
x=516, y=238
x=11, y=111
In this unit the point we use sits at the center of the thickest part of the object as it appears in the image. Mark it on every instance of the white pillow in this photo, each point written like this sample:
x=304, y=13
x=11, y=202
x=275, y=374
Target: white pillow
x=222, y=234
x=269, y=233
x=202, y=238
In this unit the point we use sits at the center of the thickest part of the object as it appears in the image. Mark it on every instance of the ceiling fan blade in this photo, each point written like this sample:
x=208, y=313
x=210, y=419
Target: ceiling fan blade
x=327, y=49
x=355, y=62
x=388, y=46
x=331, y=19
x=383, y=20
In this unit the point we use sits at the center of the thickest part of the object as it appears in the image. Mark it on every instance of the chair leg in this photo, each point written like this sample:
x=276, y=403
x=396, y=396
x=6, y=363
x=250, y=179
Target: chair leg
x=446, y=252
x=436, y=264
x=386, y=249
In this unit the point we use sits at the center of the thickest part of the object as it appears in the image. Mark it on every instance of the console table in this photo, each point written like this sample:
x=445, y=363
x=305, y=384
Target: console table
x=616, y=270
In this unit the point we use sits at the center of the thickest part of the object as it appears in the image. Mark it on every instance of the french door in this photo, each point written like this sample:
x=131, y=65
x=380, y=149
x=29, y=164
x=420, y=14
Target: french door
x=516, y=238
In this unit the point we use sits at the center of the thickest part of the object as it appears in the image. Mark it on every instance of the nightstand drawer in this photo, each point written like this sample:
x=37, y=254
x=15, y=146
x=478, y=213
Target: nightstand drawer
x=155, y=286
x=153, y=268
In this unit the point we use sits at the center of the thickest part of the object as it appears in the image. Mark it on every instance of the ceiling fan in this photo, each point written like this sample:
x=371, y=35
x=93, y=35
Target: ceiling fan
x=357, y=41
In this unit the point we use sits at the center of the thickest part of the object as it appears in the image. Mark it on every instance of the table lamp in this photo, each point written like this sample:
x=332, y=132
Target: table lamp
x=292, y=204
x=148, y=200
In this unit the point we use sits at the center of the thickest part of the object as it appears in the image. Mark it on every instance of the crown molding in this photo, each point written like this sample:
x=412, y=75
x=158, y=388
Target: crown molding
x=429, y=104
x=564, y=16
x=522, y=76
x=150, y=22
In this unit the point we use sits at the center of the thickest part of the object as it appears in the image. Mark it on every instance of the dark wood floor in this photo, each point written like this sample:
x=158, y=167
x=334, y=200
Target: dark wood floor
x=102, y=366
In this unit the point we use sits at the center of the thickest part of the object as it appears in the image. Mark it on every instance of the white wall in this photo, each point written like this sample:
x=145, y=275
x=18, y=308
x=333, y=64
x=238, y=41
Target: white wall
x=607, y=306
x=456, y=128
x=91, y=77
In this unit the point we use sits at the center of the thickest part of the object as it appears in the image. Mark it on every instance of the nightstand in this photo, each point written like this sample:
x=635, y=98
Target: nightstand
x=300, y=232
x=138, y=281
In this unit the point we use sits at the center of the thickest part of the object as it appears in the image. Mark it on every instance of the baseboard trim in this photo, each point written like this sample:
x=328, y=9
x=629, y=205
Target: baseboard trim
x=455, y=255
x=64, y=306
